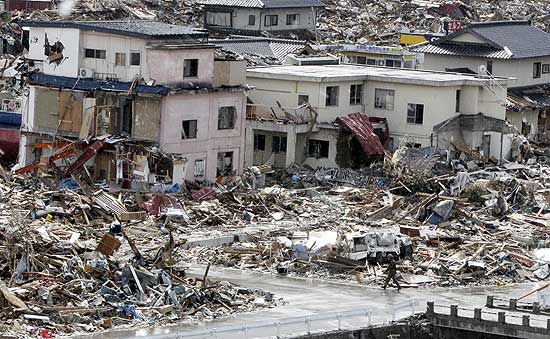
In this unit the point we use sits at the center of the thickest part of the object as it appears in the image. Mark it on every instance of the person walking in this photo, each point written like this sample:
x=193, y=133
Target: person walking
x=391, y=272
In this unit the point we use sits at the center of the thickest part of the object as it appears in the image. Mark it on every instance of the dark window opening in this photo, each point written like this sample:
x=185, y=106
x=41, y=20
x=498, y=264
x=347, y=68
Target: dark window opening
x=251, y=20
x=545, y=68
x=95, y=53
x=537, y=70
x=490, y=67
x=259, y=142
x=279, y=144
x=371, y=62
x=355, y=94
x=292, y=19
x=226, y=117
x=189, y=129
x=389, y=63
x=361, y=60
x=190, y=68
x=135, y=59
x=25, y=39
x=225, y=163
x=303, y=99
x=415, y=114
x=271, y=20
x=331, y=96
x=317, y=148
x=457, y=101
x=126, y=116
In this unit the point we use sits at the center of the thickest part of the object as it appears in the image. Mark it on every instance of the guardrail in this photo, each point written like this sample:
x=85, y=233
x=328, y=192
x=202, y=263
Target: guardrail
x=300, y=325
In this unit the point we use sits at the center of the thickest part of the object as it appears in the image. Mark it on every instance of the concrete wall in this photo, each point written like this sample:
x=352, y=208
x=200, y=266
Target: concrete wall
x=240, y=18
x=69, y=37
x=439, y=102
x=166, y=66
x=146, y=119
x=229, y=72
x=210, y=141
x=528, y=116
x=521, y=69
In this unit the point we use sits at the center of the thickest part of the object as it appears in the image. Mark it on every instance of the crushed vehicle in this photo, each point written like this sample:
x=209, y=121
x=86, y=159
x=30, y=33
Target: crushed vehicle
x=377, y=246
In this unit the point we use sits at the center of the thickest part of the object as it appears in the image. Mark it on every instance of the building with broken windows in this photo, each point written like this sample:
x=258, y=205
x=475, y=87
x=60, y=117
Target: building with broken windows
x=255, y=16
x=513, y=49
x=152, y=84
x=298, y=114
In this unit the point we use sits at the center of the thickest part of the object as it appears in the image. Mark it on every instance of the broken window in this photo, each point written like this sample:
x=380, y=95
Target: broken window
x=384, y=98
x=355, y=94
x=226, y=117
x=292, y=19
x=120, y=59
x=135, y=58
x=199, y=168
x=271, y=20
x=303, y=99
x=279, y=144
x=317, y=148
x=190, y=68
x=189, y=129
x=415, y=114
x=537, y=70
x=218, y=19
x=251, y=20
x=259, y=142
x=457, y=101
x=225, y=163
x=95, y=53
x=331, y=96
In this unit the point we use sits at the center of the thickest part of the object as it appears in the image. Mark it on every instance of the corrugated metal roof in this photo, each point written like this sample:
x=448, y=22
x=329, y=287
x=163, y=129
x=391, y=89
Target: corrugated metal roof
x=266, y=47
x=462, y=49
x=137, y=28
x=361, y=128
x=262, y=3
x=91, y=84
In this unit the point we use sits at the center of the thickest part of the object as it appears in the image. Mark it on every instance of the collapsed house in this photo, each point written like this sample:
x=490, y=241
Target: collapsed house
x=505, y=48
x=291, y=117
x=149, y=82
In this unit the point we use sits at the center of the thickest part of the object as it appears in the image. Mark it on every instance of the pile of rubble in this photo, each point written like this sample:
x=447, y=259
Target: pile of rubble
x=369, y=21
x=74, y=263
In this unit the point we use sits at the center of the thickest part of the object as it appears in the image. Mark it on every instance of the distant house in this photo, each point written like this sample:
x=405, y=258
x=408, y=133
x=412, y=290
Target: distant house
x=260, y=15
x=503, y=48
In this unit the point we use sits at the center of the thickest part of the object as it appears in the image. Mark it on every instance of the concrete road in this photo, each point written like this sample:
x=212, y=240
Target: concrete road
x=319, y=300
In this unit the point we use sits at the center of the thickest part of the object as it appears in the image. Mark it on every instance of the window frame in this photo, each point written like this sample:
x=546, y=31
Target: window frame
x=232, y=120
x=194, y=62
x=132, y=53
x=188, y=135
x=251, y=20
x=321, y=155
x=354, y=97
x=328, y=101
x=545, y=68
x=270, y=17
x=257, y=143
x=301, y=99
x=96, y=53
x=202, y=171
x=417, y=120
x=280, y=145
x=457, y=100
x=489, y=67
x=296, y=17
x=537, y=70
x=384, y=104
x=120, y=54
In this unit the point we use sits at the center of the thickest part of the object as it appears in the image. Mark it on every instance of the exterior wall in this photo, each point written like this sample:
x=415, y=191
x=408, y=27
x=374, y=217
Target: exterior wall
x=530, y=117
x=210, y=141
x=146, y=119
x=240, y=18
x=439, y=102
x=324, y=134
x=166, y=66
x=520, y=69
x=69, y=37
x=229, y=72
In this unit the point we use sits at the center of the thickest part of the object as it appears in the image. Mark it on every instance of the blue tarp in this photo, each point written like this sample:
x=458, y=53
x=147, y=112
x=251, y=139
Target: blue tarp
x=94, y=85
x=10, y=119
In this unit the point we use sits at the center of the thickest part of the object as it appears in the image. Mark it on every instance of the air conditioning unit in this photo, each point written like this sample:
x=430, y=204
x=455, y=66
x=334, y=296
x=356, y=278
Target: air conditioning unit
x=482, y=70
x=86, y=73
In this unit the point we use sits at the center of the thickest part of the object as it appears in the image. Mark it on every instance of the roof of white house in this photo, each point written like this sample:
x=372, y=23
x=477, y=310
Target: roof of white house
x=262, y=3
x=372, y=73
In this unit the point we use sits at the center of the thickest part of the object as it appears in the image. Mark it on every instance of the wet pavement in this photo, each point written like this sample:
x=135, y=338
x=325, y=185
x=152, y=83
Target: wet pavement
x=319, y=300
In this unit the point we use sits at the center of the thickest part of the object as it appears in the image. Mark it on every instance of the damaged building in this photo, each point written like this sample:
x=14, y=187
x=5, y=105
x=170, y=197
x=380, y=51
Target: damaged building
x=503, y=48
x=150, y=83
x=296, y=112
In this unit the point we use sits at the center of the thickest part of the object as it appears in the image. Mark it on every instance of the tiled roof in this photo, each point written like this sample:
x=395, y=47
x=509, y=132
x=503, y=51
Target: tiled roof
x=137, y=28
x=501, y=40
x=462, y=49
x=262, y=3
x=266, y=47
x=532, y=97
